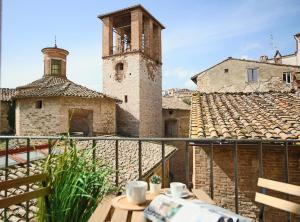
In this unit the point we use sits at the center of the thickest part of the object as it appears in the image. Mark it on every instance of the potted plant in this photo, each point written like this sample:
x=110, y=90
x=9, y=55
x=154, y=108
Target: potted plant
x=155, y=184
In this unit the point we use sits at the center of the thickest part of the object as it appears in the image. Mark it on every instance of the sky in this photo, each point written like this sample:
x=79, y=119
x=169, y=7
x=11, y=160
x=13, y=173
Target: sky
x=198, y=35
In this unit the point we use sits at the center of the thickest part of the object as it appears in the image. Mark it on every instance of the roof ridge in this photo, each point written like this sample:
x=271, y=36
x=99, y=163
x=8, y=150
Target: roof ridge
x=193, y=78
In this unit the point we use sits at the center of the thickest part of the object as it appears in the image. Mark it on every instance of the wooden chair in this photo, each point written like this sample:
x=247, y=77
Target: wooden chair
x=277, y=202
x=26, y=196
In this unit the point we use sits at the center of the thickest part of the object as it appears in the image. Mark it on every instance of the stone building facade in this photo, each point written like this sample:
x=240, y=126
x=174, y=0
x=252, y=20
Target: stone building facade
x=132, y=69
x=176, y=119
x=239, y=75
x=55, y=105
x=6, y=111
x=247, y=116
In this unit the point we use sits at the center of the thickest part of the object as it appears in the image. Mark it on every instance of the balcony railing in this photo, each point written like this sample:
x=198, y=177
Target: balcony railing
x=188, y=144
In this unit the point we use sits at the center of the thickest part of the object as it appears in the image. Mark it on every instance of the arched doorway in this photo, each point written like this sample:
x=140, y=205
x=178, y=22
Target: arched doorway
x=171, y=128
x=81, y=121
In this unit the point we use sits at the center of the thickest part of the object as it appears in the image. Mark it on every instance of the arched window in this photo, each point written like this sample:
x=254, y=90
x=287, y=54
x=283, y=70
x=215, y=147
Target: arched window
x=119, y=76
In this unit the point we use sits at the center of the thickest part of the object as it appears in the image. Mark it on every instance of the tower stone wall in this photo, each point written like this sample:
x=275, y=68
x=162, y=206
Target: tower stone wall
x=139, y=89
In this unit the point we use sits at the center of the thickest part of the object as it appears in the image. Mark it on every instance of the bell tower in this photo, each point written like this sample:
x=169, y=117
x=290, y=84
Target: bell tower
x=132, y=69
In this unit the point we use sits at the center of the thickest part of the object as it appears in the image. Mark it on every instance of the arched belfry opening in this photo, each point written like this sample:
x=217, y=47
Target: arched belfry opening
x=130, y=30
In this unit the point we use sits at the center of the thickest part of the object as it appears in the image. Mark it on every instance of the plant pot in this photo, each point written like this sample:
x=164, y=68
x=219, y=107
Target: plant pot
x=155, y=188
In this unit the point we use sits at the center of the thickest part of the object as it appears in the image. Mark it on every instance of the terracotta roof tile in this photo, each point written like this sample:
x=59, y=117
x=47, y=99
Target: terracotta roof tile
x=6, y=94
x=174, y=103
x=56, y=86
x=246, y=115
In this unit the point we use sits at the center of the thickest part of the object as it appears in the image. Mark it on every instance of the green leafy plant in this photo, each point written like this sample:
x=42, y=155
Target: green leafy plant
x=78, y=183
x=155, y=179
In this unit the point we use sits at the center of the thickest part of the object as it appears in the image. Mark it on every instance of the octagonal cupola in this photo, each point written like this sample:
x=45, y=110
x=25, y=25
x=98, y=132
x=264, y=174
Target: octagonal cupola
x=55, y=60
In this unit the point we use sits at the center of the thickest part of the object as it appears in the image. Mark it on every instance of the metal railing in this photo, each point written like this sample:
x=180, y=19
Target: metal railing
x=210, y=143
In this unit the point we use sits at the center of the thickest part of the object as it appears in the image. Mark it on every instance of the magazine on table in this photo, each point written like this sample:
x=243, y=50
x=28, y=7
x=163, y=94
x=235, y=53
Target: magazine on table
x=168, y=209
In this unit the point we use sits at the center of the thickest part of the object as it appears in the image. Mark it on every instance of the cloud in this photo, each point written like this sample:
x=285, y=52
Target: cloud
x=246, y=18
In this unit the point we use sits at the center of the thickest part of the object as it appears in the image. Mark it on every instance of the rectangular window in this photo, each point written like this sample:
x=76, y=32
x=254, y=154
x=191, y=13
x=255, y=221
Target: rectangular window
x=287, y=78
x=55, y=66
x=126, y=99
x=39, y=104
x=226, y=70
x=252, y=75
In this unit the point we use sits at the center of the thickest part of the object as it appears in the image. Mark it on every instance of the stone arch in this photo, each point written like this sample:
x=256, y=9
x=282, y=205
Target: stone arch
x=81, y=121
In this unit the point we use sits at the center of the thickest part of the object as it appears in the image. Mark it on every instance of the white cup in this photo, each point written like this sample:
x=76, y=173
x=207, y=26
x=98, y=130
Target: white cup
x=177, y=189
x=136, y=192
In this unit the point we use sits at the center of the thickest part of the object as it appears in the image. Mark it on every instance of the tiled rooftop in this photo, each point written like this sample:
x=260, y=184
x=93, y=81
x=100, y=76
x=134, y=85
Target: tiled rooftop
x=6, y=94
x=174, y=103
x=246, y=115
x=56, y=86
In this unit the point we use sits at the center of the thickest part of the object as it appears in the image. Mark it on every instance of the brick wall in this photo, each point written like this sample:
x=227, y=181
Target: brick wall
x=248, y=171
x=53, y=118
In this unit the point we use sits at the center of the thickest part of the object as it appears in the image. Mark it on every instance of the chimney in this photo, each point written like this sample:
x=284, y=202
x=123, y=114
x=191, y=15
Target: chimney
x=297, y=37
x=277, y=57
x=263, y=58
x=55, y=60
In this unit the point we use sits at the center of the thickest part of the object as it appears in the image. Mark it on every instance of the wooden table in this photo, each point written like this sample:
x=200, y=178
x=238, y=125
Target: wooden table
x=106, y=212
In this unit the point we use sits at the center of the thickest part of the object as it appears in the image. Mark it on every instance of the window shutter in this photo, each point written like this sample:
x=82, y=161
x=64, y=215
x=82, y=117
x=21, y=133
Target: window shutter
x=255, y=75
x=288, y=78
x=284, y=77
x=249, y=75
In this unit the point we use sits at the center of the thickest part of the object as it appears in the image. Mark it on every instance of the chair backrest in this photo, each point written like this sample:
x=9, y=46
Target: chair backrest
x=26, y=196
x=277, y=202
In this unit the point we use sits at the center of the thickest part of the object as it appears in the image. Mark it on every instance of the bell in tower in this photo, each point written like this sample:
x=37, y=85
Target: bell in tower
x=132, y=69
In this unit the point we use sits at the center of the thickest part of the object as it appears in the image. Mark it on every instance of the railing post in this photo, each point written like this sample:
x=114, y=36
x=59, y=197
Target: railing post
x=187, y=165
x=27, y=173
x=163, y=164
x=286, y=173
x=261, y=174
x=117, y=161
x=49, y=147
x=236, y=191
x=94, y=155
x=6, y=173
x=211, y=171
x=140, y=160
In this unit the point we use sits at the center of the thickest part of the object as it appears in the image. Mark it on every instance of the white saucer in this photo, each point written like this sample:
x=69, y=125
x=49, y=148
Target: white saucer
x=183, y=195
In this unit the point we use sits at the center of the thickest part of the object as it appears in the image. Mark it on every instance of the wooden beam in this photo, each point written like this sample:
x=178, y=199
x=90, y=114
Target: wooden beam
x=22, y=181
x=278, y=203
x=8, y=201
x=101, y=214
x=201, y=195
x=279, y=186
x=119, y=215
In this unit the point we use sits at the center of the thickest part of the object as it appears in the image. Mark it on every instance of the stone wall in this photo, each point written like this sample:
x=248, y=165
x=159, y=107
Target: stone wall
x=248, y=172
x=269, y=77
x=104, y=113
x=177, y=161
x=141, y=114
x=4, y=124
x=53, y=117
x=150, y=98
